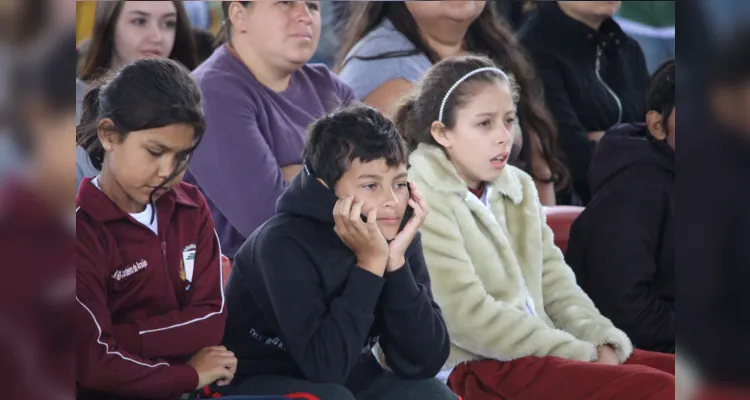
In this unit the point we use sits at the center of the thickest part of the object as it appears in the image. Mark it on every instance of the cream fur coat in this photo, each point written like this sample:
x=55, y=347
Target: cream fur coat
x=489, y=265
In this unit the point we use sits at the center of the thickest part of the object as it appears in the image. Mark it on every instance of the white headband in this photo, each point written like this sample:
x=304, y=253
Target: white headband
x=465, y=77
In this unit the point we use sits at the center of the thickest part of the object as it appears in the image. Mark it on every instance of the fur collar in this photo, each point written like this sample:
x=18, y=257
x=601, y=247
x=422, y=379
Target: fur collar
x=441, y=175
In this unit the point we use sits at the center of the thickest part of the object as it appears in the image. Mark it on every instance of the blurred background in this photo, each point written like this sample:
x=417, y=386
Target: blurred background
x=39, y=45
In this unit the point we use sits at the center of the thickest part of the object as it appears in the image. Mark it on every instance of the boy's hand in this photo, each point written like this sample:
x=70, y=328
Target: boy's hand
x=364, y=239
x=397, y=247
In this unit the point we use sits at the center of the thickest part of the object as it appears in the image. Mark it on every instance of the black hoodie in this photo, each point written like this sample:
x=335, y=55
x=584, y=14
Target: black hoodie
x=299, y=305
x=622, y=246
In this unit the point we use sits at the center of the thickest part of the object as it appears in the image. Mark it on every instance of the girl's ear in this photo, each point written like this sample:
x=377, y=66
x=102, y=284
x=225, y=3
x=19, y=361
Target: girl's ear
x=440, y=134
x=106, y=133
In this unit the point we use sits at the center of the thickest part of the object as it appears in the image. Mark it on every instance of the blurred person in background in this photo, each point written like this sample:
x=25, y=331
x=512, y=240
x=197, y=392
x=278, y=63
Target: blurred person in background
x=713, y=248
x=150, y=307
x=594, y=77
x=259, y=98
x=21, y=22
x=37, y=229
x=199, y=13
x=514, y=12
x=333, y=15
x=393, y=43
x=126, y=31
x=622, y=247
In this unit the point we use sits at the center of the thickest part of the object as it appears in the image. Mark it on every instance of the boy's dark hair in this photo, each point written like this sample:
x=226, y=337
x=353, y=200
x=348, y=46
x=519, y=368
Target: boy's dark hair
x=421, y=108
x=147, y=94
x=204, y=44
x=660, y=94
x=356, y=132
x=225, y=31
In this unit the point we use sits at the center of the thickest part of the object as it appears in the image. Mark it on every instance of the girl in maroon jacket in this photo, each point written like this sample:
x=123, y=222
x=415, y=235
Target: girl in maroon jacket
x=150, y=303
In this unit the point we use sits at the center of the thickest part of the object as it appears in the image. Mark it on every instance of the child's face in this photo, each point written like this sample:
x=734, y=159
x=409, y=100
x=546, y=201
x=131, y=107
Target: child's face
x=480, y=142
x=146, y=158
x=378, y=186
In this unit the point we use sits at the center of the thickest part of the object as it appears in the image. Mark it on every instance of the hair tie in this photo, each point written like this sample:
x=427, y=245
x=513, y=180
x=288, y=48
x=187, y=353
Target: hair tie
x=463, y=78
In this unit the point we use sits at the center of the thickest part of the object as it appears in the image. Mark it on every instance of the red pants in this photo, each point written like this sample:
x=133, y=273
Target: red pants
x=645, y=375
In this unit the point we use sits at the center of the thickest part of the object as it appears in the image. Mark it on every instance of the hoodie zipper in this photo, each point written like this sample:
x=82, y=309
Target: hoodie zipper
x=617, y=99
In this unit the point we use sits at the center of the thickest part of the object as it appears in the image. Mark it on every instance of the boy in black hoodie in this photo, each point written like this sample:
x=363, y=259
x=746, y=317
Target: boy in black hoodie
x=622, y=246
x=331, y=297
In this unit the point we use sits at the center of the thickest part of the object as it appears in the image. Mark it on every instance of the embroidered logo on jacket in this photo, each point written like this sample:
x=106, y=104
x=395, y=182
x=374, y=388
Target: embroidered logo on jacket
x=124, y=273
x=187, y=264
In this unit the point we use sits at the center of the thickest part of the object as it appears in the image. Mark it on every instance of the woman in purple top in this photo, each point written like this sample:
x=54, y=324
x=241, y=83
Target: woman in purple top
x=258, y=98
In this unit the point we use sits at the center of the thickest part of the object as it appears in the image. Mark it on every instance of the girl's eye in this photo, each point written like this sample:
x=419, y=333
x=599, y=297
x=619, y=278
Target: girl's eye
x=170, y=24
x=371, y=186
x=139, y=21
x=510, y=121
x=485, y=124
x=155, y=153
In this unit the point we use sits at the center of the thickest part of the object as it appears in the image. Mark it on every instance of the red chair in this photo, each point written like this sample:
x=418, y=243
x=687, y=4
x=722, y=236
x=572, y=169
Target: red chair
x=560, y=218
x=226, y=268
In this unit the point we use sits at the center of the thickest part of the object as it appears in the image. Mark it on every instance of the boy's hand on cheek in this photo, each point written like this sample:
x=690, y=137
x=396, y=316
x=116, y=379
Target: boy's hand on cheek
x=397, y=247
x=363, y=238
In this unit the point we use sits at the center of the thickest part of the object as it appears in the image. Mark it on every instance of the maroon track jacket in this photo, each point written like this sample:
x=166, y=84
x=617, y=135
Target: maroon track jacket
x=145, y=303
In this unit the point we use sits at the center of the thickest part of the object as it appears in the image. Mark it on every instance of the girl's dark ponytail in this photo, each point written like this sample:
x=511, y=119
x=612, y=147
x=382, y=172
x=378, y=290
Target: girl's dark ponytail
x=87, y=131
x=403, y=118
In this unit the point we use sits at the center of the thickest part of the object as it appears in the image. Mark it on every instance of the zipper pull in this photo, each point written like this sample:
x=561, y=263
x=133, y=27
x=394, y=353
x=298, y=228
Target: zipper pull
x=598, y=57
x=164, y=249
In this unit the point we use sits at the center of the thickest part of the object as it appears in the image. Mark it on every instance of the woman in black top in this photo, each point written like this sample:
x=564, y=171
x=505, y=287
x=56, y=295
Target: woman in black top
x=594, y=77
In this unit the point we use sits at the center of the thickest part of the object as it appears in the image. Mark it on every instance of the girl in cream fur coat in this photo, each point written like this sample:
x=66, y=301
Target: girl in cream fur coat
x=520, y=326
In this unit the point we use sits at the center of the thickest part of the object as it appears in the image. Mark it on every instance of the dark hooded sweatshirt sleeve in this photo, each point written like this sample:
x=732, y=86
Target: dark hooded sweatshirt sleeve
x=324, y=337
x=623, y=237
x=415, y=339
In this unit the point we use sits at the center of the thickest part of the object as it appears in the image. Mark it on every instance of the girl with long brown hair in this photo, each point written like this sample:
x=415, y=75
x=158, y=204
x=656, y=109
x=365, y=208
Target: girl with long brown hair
x=126, y=31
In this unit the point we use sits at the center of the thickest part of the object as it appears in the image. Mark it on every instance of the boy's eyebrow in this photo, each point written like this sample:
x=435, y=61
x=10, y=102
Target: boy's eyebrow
x=402, y=175
x=369, y=176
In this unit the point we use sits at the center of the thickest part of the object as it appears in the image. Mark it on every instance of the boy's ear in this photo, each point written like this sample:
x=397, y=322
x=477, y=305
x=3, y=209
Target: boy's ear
x=440, y=133
x=655, y=125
